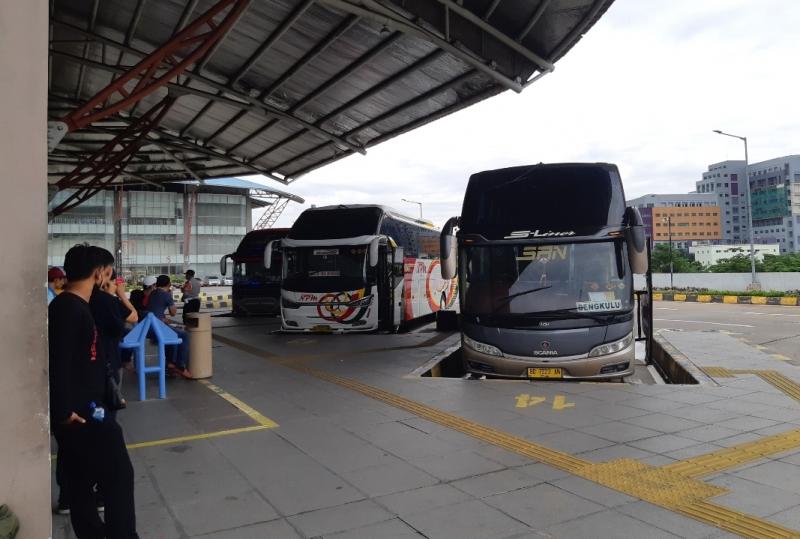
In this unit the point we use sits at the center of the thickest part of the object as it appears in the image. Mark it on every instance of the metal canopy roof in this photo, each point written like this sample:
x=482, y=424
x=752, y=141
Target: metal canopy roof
x=290, y=85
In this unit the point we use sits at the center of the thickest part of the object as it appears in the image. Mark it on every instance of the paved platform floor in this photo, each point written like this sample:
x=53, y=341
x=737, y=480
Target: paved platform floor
x=331, y=436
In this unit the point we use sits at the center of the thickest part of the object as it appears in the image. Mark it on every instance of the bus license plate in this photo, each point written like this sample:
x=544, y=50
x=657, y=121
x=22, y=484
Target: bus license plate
x=322, y=329
x=537, y=372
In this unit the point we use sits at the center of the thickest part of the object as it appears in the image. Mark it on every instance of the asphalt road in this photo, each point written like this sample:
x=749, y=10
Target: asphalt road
x=773, y=329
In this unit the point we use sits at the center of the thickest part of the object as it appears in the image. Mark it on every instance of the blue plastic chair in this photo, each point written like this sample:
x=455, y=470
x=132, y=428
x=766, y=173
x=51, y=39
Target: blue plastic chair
x=136, y=339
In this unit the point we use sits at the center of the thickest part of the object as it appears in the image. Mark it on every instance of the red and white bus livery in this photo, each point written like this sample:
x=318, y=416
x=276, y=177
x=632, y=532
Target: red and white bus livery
x=360, y=268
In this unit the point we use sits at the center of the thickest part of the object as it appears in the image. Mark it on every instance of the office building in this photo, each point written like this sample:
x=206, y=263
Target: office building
x=775, y=190
x=680, y=218
x=154, y=231
x=724, y=181
x=708, y=255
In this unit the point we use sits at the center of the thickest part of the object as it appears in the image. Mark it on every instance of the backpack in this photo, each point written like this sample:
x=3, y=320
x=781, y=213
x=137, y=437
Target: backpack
x=9, y=523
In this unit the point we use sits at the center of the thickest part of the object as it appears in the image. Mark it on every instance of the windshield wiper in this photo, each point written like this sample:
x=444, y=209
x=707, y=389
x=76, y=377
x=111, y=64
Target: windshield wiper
x=506, y=299
x=574, y=313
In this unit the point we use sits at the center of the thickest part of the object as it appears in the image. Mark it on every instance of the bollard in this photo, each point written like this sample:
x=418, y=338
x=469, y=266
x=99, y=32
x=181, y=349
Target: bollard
x=198, y=325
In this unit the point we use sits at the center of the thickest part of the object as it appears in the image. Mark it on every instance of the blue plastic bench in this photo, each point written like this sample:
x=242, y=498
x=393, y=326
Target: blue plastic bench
x=135, y=340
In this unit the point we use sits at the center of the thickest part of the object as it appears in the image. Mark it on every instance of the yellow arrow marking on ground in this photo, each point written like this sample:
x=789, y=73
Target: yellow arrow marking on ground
x=525, y=400
x=560, y=402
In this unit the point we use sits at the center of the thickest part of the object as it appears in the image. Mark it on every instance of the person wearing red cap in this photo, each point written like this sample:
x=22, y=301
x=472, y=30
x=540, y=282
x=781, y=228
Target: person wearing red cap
x=55, y=282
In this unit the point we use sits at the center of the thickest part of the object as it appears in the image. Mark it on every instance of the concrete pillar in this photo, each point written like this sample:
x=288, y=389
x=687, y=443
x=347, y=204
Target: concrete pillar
x=24, y=428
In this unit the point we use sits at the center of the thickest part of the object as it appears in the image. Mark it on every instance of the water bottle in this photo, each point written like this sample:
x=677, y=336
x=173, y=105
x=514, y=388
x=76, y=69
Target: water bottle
x=98, y=412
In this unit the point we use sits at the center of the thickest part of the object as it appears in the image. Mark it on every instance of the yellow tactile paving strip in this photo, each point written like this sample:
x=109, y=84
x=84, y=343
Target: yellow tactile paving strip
x=664, y=486
x=778, y=380
x=671, y=487
x=733, y=457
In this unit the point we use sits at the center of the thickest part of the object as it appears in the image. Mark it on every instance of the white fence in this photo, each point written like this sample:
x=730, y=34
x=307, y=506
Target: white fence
x=736, y=282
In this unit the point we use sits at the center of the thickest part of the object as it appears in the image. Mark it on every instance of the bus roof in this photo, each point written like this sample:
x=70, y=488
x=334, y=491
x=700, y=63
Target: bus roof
x=545, y=200
x=386, y=209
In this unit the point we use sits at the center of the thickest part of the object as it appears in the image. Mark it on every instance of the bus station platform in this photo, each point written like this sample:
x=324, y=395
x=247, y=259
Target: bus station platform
x=342, y=436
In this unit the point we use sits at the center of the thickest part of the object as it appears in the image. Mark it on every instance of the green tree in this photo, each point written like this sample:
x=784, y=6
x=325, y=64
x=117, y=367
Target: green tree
x=735, y=264
x=681, y=263
x=787, y=262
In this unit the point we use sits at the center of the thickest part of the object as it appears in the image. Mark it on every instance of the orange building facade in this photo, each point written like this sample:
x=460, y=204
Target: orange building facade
x=698, y=223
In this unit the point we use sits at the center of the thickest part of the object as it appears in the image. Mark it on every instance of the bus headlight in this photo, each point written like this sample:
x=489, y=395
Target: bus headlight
x=289, y=304
x=363, y=302
x=483, y=348
x=612, y=347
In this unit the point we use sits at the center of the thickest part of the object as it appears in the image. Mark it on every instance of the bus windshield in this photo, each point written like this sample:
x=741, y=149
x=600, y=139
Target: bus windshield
x=331, y=268
x=554, y=280
x=254, y=273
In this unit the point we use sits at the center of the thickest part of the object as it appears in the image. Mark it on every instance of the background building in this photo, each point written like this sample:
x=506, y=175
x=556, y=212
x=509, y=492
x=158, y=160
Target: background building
x=709, y=255
x=724, y=181
x=153, y=231
x=690, y=217
x=775, y=190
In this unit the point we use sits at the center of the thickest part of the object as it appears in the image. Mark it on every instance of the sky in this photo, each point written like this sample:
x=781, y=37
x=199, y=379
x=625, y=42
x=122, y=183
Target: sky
x=643, y=89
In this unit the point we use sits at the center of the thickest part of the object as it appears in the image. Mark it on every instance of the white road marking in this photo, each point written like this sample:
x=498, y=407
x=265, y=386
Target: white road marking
x=665, y=309
x=702, y=322
x=769, y=314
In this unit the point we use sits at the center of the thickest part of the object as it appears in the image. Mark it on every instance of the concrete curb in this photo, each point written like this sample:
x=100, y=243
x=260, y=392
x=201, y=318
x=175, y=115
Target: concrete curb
x=741, y=300
x=678, y=368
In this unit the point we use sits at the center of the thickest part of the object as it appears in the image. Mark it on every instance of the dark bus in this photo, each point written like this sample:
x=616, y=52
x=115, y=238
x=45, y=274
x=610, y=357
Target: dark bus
x=359, y=268
x=256, y=290
x=545, y=256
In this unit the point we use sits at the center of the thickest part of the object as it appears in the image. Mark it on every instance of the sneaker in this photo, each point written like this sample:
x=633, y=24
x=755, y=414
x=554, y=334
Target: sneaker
x=62, y=509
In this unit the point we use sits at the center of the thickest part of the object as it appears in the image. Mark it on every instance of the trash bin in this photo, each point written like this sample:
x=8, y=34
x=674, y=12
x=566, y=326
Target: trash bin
x=198, y=325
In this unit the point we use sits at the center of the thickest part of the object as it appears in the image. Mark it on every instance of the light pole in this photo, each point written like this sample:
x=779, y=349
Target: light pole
x=668, y=220
x=414, y=202
x=754, y=280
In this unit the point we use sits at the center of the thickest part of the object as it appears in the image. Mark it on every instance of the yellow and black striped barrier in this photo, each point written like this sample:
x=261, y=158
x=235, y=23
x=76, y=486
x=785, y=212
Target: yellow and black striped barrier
x=713, y=298
x=220, y=301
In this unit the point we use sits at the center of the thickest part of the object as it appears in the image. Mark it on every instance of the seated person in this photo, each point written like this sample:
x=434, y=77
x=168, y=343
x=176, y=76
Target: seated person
x=56, y=278
x=160, y=301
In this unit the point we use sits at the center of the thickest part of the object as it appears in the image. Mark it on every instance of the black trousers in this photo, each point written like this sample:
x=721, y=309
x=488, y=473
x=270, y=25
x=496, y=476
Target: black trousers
x=190, y=306
x=95, y=453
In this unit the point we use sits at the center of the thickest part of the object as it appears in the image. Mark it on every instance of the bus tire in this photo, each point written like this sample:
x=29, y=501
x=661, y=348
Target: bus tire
x=446, y=321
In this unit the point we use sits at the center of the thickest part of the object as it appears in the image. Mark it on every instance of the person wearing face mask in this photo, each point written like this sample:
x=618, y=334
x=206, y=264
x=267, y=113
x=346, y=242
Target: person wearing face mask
x=91, y=446
x=111, y=310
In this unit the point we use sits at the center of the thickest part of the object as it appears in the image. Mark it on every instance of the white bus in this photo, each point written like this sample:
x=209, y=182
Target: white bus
x=359, y=268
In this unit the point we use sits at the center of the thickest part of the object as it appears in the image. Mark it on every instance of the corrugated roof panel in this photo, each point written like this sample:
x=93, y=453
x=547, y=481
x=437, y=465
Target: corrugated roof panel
x=359, y=88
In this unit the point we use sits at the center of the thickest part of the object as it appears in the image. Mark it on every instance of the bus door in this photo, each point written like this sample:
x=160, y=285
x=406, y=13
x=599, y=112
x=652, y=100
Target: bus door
x=389, y=274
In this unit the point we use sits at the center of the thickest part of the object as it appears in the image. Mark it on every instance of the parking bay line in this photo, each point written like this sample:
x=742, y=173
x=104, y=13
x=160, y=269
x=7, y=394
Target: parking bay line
x=702, y=322
x=262, y=421
x=660, y=486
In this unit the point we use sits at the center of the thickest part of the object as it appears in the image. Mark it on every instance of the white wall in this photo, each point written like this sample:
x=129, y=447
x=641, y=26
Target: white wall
x=24, y=428
x=737, y=282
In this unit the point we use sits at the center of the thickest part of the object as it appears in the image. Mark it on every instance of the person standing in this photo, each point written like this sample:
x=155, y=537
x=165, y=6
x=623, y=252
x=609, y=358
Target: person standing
x=55, y=283
x=91, y=444
x=159, y=303
x=111, y=310
x=191, y=294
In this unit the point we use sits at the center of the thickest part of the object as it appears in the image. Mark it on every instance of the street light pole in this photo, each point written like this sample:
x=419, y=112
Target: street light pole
x=754, y=280
x=669, y=233
x=414, y=202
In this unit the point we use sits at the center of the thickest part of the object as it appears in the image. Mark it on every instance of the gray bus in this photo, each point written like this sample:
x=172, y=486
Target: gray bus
x=545, y=256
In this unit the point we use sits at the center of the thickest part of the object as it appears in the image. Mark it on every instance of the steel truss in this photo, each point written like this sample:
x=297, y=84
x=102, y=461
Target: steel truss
x=110, y=161
x=159, y=67
x=273, y=211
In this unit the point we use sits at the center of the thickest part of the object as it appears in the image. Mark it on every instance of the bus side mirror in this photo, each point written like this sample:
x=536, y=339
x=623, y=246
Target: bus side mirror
x=268, y=254
x=447, y=248
x=636, y=240
x=223, y=265
x=373, y=251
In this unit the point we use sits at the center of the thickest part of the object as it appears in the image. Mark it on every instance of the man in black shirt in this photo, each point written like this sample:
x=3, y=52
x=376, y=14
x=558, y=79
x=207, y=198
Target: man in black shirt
x=90, y=443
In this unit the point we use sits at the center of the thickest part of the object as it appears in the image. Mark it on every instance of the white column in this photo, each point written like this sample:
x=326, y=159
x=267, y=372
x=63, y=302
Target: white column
x=25, y=446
